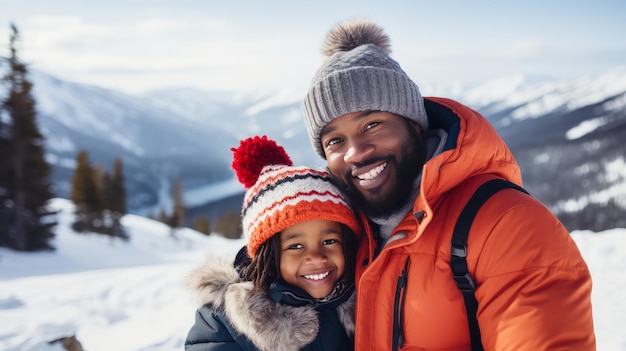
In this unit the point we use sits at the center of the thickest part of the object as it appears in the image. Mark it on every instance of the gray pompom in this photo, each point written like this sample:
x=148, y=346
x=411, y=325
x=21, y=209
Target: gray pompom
x=353, y=33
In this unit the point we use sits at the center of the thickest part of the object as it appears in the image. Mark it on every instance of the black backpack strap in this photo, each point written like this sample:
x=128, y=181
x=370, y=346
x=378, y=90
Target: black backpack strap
x=462, y=277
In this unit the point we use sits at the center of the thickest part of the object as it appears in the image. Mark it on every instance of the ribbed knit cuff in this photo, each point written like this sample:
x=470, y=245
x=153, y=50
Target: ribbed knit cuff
x=361, y=89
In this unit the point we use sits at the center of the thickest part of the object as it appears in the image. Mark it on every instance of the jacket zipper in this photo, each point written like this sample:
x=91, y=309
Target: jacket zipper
x=398, y=309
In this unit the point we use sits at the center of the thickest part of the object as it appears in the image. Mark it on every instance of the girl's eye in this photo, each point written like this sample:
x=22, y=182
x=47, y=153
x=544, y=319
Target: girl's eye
x=330, y=241
x=295, y=247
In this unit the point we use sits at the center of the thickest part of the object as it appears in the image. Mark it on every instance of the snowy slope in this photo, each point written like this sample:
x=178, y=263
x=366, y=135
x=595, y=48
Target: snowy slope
x=129, y=296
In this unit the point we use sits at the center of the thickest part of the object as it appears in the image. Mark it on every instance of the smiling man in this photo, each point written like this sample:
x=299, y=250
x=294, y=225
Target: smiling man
x=411, y=165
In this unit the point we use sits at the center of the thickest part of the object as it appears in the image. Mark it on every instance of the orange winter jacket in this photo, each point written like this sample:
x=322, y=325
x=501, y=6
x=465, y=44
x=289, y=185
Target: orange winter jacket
x=533, y=286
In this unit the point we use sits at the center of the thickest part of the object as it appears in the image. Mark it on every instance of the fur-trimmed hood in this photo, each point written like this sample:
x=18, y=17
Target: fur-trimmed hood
x=267, y=324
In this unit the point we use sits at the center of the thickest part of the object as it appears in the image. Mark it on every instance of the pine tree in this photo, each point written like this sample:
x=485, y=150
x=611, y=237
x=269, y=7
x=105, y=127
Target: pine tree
x=229, y=225
x=114, y=196
x=118, y=191
x=5, y=175
x=26, y=187
x=85, y=195
x=177, y=218
x=202, y=225
x=98, y=174
x=106, y=194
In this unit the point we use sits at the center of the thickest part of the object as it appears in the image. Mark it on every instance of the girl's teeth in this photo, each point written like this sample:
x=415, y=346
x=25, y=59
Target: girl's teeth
x=317, y=276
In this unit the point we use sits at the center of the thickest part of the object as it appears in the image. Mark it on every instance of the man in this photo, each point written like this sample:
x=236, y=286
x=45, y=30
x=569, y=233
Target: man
x=411, y=165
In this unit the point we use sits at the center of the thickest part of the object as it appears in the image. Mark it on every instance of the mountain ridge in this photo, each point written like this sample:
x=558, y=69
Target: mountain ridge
x=187, y=133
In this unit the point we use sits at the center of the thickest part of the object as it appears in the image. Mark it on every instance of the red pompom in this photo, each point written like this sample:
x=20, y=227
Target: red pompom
x=255, y=153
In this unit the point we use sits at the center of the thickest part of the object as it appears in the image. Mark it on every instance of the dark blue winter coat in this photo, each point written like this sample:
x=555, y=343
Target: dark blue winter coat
x=232, y=317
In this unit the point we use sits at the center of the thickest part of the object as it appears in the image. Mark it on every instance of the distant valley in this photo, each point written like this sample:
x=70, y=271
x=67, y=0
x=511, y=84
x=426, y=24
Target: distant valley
x=566, y=135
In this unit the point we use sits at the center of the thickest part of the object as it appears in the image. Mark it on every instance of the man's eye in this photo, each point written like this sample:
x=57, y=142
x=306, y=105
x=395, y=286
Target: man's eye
x=371, y=125
x=333, y=141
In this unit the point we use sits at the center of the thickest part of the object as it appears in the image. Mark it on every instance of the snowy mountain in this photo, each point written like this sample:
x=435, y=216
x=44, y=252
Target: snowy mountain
x=157, y=146
x=566, y=135
x=277, y=115
x=568, y=138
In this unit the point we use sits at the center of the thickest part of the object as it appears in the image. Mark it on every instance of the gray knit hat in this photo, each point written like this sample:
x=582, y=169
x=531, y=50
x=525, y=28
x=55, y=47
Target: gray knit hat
x=359, y=75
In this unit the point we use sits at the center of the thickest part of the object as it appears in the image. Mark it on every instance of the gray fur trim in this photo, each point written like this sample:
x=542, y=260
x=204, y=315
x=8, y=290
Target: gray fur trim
x=211, y=280
x=270, y=325
x=346, y=314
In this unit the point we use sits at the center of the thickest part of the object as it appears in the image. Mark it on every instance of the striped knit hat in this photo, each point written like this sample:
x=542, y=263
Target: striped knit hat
x=280, y=195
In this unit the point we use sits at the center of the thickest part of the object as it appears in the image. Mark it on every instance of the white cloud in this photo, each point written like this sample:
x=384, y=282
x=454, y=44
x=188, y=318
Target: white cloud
x=262, y=46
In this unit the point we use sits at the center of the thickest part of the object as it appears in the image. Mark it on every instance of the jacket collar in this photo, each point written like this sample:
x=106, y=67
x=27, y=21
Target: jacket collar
x=287, y=294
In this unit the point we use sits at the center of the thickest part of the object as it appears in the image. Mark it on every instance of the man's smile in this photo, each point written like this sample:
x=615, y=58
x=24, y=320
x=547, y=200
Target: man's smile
x=372, y=177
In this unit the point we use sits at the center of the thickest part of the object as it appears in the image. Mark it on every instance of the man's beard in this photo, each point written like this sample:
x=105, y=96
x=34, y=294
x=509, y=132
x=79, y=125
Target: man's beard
x=382, y=205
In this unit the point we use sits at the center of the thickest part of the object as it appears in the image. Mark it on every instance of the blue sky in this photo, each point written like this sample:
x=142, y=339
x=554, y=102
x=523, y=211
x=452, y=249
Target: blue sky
x=138, y=45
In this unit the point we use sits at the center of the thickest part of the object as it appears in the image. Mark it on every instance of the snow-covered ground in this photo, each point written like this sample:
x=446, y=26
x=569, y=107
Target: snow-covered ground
x=124, y=296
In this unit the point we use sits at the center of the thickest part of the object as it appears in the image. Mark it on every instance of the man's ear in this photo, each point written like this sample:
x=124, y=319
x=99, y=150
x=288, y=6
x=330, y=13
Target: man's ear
x=418, y=129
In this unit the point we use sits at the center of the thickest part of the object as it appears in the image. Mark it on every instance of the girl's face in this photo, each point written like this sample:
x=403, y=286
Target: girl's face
x=311, y=256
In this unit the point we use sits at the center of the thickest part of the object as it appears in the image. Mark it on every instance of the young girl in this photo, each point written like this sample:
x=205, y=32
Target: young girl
x=297, y=290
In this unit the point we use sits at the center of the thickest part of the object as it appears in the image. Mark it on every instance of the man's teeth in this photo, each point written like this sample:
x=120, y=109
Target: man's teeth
x=373, y=172
x=317, y=276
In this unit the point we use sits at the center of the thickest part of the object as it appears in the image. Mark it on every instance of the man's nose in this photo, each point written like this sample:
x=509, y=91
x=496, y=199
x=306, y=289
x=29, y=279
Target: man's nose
x=358, y=151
